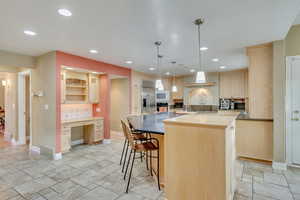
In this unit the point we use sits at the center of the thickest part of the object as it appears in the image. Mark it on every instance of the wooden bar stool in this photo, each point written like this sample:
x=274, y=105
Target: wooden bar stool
x=137, y=136
x=146, y=147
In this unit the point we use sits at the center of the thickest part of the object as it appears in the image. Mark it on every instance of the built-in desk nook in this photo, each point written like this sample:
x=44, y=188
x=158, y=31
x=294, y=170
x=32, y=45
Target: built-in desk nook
x=93, y=131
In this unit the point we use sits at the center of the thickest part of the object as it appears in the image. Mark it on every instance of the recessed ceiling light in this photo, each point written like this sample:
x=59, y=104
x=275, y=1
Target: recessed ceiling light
x=128, y=62
x=222, y=67
x=31, y=33
x=93, y=51
x=69, y=68
x=168, y=73
x=151, y=68
x=192, y=70
x=215, y=59
x=203, y=48
x=64, y=12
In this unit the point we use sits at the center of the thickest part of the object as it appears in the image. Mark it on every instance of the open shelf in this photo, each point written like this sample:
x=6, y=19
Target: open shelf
x=77, y=89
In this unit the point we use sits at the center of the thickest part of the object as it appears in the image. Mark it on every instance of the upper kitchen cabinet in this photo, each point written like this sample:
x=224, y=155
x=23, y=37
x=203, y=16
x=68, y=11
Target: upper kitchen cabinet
x=261, y=81
x=94, y=88
x=79, y=87
x=233, y=84
x=76, y=87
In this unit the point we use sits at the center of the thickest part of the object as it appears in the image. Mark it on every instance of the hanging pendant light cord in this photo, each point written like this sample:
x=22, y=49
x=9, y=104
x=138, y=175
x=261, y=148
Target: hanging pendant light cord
x=199, y=42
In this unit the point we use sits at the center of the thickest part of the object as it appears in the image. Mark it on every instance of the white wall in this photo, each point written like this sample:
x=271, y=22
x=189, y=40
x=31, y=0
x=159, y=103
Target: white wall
x=44, y=120
x=16, y=60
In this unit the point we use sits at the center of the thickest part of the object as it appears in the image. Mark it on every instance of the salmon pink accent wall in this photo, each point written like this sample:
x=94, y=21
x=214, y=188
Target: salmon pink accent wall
x=92, y=65
x=104, y=104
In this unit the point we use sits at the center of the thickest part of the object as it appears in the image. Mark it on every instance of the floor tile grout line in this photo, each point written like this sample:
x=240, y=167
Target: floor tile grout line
x=289, y=187
x=252, y=187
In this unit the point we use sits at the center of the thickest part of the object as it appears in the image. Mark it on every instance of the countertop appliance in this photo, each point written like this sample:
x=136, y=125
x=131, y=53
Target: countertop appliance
x=225, y=104
x=238, y=104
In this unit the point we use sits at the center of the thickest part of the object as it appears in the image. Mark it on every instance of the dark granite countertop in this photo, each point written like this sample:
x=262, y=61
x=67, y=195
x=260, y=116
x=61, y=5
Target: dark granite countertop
x=245, y=116
x=152, y=123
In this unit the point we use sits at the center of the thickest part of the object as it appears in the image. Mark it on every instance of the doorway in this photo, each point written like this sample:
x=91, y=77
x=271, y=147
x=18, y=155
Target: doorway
x=24, y=108
x=119, y=106
x=293, y=110
x=3, y=83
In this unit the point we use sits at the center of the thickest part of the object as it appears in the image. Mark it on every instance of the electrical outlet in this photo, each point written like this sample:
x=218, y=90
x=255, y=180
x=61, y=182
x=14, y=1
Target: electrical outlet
x=98, y=110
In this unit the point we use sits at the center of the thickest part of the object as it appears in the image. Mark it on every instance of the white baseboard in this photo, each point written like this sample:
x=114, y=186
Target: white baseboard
x=35, y=149
x=77, y=142
x=57, y=156
x=279, y=166
x=15, y=142
x=106, y=141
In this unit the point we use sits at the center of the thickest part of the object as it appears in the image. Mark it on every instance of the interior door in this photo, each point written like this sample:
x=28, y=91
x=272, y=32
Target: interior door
x=295, y=110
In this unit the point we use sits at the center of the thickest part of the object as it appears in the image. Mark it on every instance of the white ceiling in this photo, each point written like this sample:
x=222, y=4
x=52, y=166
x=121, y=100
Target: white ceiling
x=126, y=29
x=297, y=21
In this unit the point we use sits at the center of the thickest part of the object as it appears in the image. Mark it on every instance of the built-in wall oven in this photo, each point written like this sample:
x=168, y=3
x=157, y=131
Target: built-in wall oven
x=162, y=101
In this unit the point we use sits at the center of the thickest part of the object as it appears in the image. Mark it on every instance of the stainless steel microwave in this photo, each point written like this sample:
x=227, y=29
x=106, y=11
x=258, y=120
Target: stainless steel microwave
x=162, y=96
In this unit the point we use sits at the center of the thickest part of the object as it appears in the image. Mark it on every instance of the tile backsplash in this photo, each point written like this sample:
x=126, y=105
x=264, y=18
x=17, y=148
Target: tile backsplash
x=76, y=111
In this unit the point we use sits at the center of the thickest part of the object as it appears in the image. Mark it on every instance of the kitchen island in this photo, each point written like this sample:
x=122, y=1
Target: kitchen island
x=197, y=153
x=200, y=156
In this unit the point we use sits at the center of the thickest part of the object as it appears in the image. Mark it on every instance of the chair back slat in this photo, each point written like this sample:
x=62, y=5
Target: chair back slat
x=128, y=134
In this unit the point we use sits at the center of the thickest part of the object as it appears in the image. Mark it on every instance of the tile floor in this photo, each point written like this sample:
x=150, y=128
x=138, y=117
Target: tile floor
x=93, y=173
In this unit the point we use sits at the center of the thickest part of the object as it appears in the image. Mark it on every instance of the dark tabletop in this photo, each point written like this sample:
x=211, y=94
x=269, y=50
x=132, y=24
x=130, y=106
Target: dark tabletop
x=244, y=116
x=152, y=123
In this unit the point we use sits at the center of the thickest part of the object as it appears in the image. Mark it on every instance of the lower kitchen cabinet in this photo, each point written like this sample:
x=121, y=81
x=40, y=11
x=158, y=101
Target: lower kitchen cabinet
x=254, y=139
x=93, y=131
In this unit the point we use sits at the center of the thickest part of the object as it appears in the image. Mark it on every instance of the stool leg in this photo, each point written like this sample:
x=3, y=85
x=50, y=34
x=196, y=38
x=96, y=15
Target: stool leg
x=125, y=142
x=127, y=164
x=130, y=172
x=125, y=156
x=147, y=165
x=151, y=163
x=158, y=182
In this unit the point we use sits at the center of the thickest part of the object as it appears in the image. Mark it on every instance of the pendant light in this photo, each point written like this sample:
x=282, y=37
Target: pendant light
x=200, y=77
x=158, y=83
x=174, y=88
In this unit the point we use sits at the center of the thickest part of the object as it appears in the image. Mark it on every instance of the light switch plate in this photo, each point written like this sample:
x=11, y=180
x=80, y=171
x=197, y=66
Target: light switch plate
x=98, y=110
x=46, y=106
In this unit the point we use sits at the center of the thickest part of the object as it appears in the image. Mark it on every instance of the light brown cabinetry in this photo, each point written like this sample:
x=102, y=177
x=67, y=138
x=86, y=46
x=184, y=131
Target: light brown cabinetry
x=254, y=139
x=93, y=88
x=93, y=132
x=233, y=84
x=211, y=160
x=76, y=85
x=261, y=81
x=79, y=87
x=65, y=139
